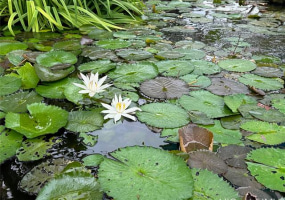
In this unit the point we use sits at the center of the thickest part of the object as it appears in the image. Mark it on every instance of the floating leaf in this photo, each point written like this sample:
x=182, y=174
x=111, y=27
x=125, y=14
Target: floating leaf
x=212, y=105
x=16, y=57
x=237, y=65
x=224, y=136
x=89, y=140
x=196, y=80
x=269, y=72
x=264, y=132
x=134, y=72
x=6, y=47
x=169, y=54
x=9, y=85
x=113, y=44
x=205, y=67
x=95, y=53
x=191, y=54
x=93, y=160
x=198, y=117
x=194, y=138
x=164, y=88
x=234, y=155
x=52, y=58
x=84, y=121
x=100, y=66
x=35, y=149
x=266, y=59
x=28, y=75
x=141, y=169
x=234, y=101
x=207, y=160
x=163, y=115
x=133, y=54
x=171, y=134
x=10, y=141
x=68, y=45
x=268, y=115
x=261, y=82
x=223, y=86
x=18, y=102
x=232, y=122
x=53, y=90
x=267, y=166
x=124, y=35
x=279, y=104
x=42, y=120
x=127, y=86
x=186, y=44
x=99, y=34
x=174, y=67
x=210, y=186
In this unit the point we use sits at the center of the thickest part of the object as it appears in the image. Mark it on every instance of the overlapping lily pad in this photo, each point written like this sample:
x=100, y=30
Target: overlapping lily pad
x=68, y=45
x=234, y=101
x=133, y=54
x=191, y=54
x=270, y=115
x=6, y=47
x=52, y=58
x=9, y=85
x=142, y=169
x=196, y=81
x=100, y=66
x=28, y=75
x=174, y=67
x=205, y=67
x=163, y=115
x=113, y=44
x=237, y=65
x=223, y=86
x=53, y=90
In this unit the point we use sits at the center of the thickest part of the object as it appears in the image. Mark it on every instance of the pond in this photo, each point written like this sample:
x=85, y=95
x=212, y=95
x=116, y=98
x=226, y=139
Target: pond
x=219, y=67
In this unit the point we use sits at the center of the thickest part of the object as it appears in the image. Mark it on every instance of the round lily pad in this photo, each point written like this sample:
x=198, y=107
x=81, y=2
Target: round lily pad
x=113, y=44
x=100, y=66
x=145, y=173
x=164, y=88
x=174, y=67
x=133, y=54
x=9, y=85
x=237, y=65
x=191, y=54
x=269, y=72
x=52, y=58
x=205, y=67
x=196, y=80
x=68, y=45
x=53, y=90
x=163, y=115
x=168, y=54
x=6, y=47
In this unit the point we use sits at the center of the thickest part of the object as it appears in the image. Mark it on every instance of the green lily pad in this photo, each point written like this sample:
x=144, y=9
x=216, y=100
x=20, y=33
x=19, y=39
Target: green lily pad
x=84, y=121
x=133, y=54
x=113, y=44
x=224, y=136
x=279, y=104
x=71, y=91
x=191, y=54
x=267, y=166
x=42, y=120
x=198, y=117
x=163, y=115
x=212, y=105
x=144, y=169
x=234, y=101
x=16, y=57
x=52, y=58
x=169, y=54
x=186, y=44
x=171, y=134
x=53, y=90
x=127, y=86
x=18, y=102
x=115, y=91
x=196, y=80
x=237, y=65
x=100, y=66
x=174, y=67
x=134, y=72
x=9, y=85
x=124, y=35
x=35, y=149
x=99, y=34
x=95, y=53
x=233, y=122
x=93, y=160
x=266, y=59
x=164, y=88
x=264, y=132
x=10, y=141
x=89, y=140
x=270, y=115
x=205, y=67
x=269, y=72
x=28, y=75
x=261, y=82
x=6, y=47
x=68, y=45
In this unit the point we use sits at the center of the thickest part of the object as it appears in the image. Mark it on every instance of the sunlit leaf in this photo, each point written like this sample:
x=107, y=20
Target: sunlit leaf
x=113, y=44
x=52, y=58
x=9, y=84
x=234, y=101
x=100, y=66
x=237, y=65
x=174, y=67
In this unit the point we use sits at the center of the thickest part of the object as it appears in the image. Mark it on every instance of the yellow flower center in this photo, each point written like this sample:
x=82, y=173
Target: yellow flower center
x=120, y=106
x=91, y=85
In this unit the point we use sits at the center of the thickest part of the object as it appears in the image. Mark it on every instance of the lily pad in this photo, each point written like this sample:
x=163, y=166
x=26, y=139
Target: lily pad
x=212, y=105
x=10, y=141
x=124, y=35
x=89, y=140
x=28, y=75
x=42, y=120
x=18, y=102
x=93, y=160
x=233, y=122
x=186, y=44
x=191, y=54
x=267, y=166
x=99, y=34
x=134, y=72
x=171, y=134
x=261, y=82
x=164, y=88
x=142, y=169
x=268, y=72
x=205, y=67
x=6, y=47
x=197, y=81
x=264, y=132
x=234, y=101
x=223, y=86
x=52, y=58
x=266, y=59
x=16, y=57
x=113, y=44
x=208, y=185
x=270, y=115
x=133, y=54
x=279, y=104
x=53, y=90
x=35, y=149
x=84, y=121
x=100, y=66
x=9, y=85
x=95, y=53
x=169, y=54
x=68, y=45
x=237, y=65
x=198, y=117
x=174, y=67
x=163, y=115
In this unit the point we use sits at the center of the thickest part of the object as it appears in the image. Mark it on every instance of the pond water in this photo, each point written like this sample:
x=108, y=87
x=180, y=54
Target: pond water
x=218, y=31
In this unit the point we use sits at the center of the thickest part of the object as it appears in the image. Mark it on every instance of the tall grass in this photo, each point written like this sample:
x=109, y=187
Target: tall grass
x=37, y=15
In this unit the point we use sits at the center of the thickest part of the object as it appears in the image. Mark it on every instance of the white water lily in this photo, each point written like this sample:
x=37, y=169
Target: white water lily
x=92, y=84
x=118, y=109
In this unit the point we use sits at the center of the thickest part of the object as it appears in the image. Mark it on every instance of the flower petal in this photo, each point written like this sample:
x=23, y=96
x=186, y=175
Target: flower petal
x=108, y=106
x=131, y=110
x=109, y=116
x=80, y=85
x=101, y=81
x=85, y=79
x=117, y=117
x=129, y=116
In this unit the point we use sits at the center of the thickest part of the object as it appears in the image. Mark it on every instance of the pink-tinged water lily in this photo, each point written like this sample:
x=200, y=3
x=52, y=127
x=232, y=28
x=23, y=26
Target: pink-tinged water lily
x=92, y=85
x=118, y=109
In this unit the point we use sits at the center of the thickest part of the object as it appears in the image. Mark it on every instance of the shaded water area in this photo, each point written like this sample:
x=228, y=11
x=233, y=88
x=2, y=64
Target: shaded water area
x=220, y=31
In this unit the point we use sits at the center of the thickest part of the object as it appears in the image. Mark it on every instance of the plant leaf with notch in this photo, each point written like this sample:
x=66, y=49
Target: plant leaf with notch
x=196, y=80
x=205, y=67
x=6, y=47
x=234, y=101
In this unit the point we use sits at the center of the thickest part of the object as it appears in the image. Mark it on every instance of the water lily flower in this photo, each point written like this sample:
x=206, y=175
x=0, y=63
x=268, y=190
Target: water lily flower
x=92, y=84
x=118, y=109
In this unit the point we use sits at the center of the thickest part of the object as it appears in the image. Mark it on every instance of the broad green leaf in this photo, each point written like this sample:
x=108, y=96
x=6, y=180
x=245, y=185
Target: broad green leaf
x=279, y=104
x=52, y=58
x=100, y=66
x=261, y=82
x=99, y=34
x=35, y=149
x=53, y=90
x=28, y=75
x=212, y=105
x=133, y=54
x=89, y=140
x=264, y=132
x=267, y=166
x=191, y=54
x=84, y=121
x=171, y=134
x=205, y=67
x=174, y=67
x=6, y=47
x=113, y=44
x=71, y=91
x=270, y=115
x=208, y=185
x=134, y=72
x=163, y=115
x=124, y=35
x=237, y=65
x=169, y=54
x=186, y=44
x=93, y=160
x=198, y=117
x=10, y=141
x=234, y=101
x=233, y=122
x=196, y=80
x=42, y=120
x=18, y=102
x=141, y=169
x=266, y=59
x=16, y=57
x=9, y=85
x=224, y=136
x=68, y=45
